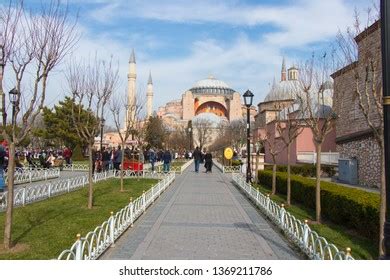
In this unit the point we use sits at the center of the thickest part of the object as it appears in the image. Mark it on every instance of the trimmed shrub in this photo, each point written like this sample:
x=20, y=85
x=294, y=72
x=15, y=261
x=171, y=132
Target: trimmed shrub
x=305, y=170
x=352, y=208
x=78, y=154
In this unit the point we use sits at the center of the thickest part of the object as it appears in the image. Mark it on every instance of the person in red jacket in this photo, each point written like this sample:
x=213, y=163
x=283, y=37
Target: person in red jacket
x=67, y=155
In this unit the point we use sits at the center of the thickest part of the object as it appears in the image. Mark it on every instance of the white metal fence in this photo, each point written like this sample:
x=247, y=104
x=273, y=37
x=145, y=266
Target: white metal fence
x=32, y=175
x=76, y=167
x=314, y=246
x=147, y=166
x=227, y=169
x=97, y=241
x=326, y=158
x=174, y=169
x=27, y=195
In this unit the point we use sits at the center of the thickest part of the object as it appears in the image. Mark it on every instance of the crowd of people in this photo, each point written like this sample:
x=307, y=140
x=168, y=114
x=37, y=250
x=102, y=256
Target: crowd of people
x=44, y=158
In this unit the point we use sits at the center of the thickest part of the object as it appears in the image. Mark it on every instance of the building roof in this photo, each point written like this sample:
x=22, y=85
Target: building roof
x=284, y=90
x=211, y=85
x=150, y=81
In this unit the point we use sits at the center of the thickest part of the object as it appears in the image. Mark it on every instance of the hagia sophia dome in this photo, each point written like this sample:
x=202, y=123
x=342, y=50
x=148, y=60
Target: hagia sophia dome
x=211, y=85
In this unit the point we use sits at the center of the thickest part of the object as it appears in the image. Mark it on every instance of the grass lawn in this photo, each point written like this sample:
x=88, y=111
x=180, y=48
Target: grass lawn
x=80, y=162
x=362, y=248
x=47, y=228
x=178, y=162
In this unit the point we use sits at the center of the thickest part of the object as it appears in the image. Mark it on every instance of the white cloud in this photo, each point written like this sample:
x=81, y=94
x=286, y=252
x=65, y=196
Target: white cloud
x=243, y=63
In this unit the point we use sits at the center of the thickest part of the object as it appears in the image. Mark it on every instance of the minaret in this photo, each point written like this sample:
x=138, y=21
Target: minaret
x=149, y=97
x=131, y=89
x=283, y=72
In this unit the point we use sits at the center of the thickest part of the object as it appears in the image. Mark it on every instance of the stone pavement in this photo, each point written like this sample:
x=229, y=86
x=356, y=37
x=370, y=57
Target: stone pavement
x=201, y=216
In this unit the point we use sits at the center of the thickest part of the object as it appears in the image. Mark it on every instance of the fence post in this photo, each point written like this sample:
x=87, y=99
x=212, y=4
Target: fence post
x=143, y=201
x=24, y=196
x=305, y=235
x=83, y=181
x=131, y=212
x=45, y=175
x=49, y=190
x=112, y=229
x=69, y=185
x=30, y=176
x=79, y=253
x=282, y=214
x=267, y=203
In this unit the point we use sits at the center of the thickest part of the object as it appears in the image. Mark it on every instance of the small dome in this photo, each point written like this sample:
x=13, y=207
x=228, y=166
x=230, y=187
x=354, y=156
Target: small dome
x=285, y=90
x=211, y=85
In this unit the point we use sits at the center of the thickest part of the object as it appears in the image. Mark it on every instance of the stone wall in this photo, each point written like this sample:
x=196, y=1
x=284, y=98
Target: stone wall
x=367, y=153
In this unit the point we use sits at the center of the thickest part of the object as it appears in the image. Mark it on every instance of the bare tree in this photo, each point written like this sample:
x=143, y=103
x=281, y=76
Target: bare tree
x=127, y=128
x=289, y=129
x=91, y=85
x=203, y=130
x=32, y=44
x=314, y=94
x=275, y=147
x=365, y=65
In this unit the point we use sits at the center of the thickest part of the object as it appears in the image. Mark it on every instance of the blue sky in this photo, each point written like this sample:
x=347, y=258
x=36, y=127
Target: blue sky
x=182, y=41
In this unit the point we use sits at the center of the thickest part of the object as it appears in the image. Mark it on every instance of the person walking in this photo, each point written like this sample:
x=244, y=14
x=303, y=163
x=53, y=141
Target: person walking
x=167, y=158
x=197, y=155
x=152, y=158
x=67, y=154
x=208, y=158
x=105, y=159
x=117, y=158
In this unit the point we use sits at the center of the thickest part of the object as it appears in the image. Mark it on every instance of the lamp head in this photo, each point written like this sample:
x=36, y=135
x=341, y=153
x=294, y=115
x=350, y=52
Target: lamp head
x=248, y=98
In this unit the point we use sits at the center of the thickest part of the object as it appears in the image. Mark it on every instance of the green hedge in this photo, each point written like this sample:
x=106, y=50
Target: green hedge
x=353, y=208
x=306, y=170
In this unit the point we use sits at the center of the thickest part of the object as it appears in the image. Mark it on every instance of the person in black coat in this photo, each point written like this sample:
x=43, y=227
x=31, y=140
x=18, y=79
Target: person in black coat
x=208, y=158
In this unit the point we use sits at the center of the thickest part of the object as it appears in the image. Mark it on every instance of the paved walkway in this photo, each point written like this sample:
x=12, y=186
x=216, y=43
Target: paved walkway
x=201, y=216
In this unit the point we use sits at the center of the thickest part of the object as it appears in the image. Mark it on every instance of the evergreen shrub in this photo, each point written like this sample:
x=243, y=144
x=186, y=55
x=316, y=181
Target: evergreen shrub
x=352, y=208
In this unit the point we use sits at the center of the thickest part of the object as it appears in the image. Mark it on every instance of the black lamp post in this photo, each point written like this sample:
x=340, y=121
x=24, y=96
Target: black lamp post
x=101, y=133
x=2, y=95
x=385, y=32
x=14, y=99
x=248, y=99
x=190, y=133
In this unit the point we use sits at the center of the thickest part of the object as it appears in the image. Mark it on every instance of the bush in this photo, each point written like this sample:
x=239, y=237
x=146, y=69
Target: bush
x=345, y=206
x=78, y=154
x=236, y=162
x=305, y=170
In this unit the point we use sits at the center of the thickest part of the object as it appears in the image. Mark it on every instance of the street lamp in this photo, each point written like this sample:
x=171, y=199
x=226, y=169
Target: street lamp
x=385, y=40
x=14, y=99
x=101, y=133
x=248, y=99
x=190, y=133
x=2, y=95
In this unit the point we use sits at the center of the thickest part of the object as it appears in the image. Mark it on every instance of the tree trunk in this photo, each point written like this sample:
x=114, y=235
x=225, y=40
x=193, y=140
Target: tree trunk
x=273, y=178
x=288, y=176
x=382, y=211
x=121, y=167
x=90, y=188
x=10, y=198
x=318, y=182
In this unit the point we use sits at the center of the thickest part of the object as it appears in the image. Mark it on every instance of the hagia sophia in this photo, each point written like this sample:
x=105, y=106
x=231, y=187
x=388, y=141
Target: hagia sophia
x=208, y=98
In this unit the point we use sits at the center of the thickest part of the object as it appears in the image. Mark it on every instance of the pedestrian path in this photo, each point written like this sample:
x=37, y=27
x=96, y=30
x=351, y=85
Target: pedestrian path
x=202, y=216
